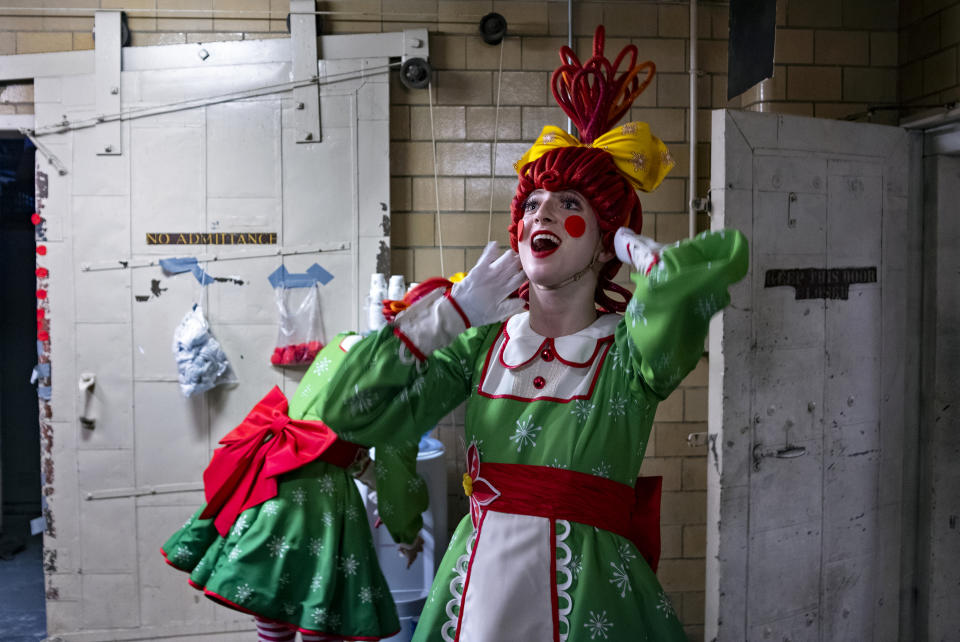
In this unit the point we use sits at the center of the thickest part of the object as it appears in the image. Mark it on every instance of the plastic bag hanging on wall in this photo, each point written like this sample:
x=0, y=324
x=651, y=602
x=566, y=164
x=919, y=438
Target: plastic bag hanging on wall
x=300, y=331
x=201, y=362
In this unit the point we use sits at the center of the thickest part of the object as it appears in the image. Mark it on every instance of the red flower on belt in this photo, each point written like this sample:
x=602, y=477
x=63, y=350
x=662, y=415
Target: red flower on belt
x=479, y=490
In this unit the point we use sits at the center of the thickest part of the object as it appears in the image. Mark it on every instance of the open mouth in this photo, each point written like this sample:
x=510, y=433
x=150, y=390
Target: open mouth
x=544, y=243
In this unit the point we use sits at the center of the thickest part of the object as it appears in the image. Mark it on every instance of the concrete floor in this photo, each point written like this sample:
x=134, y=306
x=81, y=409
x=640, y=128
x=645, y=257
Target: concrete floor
x=22, y=609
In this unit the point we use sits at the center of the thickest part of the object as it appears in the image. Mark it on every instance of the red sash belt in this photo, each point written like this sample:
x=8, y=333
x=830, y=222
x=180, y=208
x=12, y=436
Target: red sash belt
x=554, y=493
x=267, y=443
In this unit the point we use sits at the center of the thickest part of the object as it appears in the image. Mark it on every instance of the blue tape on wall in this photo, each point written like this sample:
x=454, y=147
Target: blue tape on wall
x=314, y=274
x=186, y=264
x=40, y=371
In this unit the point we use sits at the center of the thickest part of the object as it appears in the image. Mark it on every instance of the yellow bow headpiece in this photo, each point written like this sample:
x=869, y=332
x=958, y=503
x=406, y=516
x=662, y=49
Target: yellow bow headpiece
x=639, y=155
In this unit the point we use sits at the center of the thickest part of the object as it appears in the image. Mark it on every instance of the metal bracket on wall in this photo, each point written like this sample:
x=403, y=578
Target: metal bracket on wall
x=303, y=37
x=107, y=42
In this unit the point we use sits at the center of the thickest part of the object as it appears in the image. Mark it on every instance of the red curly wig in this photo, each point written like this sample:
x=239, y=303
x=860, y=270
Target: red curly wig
x=595, y=98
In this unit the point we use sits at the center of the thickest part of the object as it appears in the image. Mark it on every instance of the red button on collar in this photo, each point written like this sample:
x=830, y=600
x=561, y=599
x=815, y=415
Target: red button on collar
x=539, y=382
x=547, y=354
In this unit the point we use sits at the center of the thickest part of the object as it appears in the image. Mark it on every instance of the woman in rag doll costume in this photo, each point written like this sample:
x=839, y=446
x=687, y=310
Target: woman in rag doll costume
x=562, y=538
x=284, y=535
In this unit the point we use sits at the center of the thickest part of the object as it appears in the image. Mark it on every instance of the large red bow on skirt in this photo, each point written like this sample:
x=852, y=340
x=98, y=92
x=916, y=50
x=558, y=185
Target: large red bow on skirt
x=267, y=443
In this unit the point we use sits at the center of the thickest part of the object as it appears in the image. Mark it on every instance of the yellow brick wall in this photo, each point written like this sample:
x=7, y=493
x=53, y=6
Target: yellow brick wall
x=833, y=59
x=929, y=48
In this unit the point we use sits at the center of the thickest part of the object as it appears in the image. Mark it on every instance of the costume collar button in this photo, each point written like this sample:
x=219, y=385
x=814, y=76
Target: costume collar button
x=539, y=383
x=546, y=354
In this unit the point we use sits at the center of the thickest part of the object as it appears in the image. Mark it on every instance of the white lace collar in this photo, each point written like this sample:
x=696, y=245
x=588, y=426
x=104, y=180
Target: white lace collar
x=521, y=344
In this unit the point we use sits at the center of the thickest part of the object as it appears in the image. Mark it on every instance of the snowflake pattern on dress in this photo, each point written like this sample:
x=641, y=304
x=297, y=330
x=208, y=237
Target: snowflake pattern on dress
x=319, y=615
x=581, y=409
x=327, y=485
x=299, y=496
x=597, y=624
x=576, y=566
x=328, y=519
x=707, y=305
x=234, y=554
x=242, y=593
x=240, y=525
x=625, y=551
x=289, y=608
x=270, y=508
x=182, y=553
x=316, y=582
x=414, y=484
x=349, y=564
x=635, y=309
x=663, y=362
x=617, y=406
x=284, y=580
x=620, y=360
x=321, y=366
x=601, y=470
x=306, y=390
x=526, y=433
x=664, y=606
x=365, y=595
x=352, y=513
x=621, y=579
x=361, y=401
x=278, y=546
x=416, y=387
x=385, y=508
x=467, y=369
x=557, y=464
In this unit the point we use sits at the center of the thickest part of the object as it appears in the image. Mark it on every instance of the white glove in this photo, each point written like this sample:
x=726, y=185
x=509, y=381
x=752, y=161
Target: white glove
x=639, y=252
x=482, y=294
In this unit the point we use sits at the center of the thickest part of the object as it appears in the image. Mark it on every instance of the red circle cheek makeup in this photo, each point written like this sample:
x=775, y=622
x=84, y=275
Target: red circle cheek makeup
x=575, y=226
x=520, y=231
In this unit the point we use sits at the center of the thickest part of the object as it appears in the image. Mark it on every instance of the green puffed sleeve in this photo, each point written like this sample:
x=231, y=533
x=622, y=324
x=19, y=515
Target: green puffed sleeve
x=304, y=401
x=382, y=390
x=668, y=317
x=401, y=492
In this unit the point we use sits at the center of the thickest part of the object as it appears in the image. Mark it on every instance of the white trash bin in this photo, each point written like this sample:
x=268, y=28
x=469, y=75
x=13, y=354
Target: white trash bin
x=410, y=587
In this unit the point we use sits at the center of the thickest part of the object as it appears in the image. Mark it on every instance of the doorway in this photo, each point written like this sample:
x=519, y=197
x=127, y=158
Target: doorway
x=22, y=614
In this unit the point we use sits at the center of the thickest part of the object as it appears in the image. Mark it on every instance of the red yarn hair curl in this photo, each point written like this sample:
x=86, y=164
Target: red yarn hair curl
x=595, y=97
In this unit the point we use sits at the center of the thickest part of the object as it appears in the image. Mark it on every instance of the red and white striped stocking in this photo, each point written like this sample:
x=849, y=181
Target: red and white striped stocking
x=268, y=631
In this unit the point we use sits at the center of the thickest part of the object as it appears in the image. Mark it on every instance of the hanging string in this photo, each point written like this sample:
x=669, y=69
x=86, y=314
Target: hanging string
x=496, y=132
x=436, y=181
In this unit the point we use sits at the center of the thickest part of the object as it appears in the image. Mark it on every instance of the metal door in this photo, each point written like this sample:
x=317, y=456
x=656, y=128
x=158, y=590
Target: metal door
x=213, y=140
x=813, y=380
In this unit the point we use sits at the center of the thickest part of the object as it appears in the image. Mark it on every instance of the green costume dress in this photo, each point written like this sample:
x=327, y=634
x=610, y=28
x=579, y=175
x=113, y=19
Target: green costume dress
x=583, y=402
x=306, y=557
